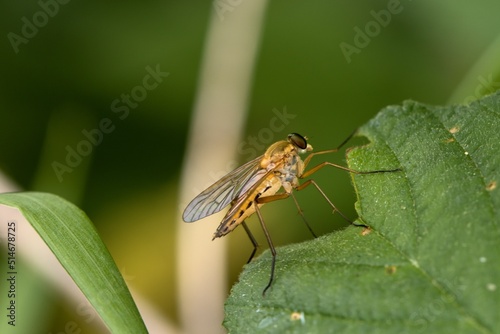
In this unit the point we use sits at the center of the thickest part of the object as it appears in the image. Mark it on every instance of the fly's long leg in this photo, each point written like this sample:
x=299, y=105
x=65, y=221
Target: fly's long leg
x=252, y=239
x=309, y=157
x=277, y=197
x=268, y=199
x=302, y=215
x=271, y=247
x=318, y=167
x=308, y=182
x=326, y=163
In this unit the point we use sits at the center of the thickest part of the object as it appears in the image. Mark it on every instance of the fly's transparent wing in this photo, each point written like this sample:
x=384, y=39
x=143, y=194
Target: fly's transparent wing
x=221, y=193
x=247, y=190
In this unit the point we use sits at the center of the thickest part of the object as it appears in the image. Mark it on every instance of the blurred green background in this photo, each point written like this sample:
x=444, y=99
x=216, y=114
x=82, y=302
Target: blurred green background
x=65, y=78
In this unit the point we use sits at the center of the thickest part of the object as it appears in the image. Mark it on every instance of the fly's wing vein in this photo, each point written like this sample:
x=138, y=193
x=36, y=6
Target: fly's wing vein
x=249, y=188
x=221, y=193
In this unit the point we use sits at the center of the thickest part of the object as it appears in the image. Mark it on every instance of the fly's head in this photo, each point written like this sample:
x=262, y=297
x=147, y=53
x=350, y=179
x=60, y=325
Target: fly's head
x=299, y=142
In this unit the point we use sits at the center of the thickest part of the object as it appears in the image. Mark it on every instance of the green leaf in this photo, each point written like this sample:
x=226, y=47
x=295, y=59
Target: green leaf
x=70, y=235
x=428, y=264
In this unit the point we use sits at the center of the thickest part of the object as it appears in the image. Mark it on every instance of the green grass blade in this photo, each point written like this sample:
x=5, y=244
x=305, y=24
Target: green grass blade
x=71, y=236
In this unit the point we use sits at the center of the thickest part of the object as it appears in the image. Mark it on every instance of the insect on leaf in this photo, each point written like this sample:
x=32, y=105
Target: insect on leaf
x=430, y=262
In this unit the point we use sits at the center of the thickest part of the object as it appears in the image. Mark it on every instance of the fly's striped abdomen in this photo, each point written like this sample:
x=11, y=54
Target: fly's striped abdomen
x=244, y=206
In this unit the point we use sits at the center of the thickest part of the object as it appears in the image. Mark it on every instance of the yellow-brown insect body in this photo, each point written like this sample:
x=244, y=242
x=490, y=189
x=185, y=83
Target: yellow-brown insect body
x=280, y=167
x=257, y=182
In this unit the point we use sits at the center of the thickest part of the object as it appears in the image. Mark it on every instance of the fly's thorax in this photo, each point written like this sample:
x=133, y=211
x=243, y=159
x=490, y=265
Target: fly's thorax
x=276, y=153
x=288, y=174
x=283, y=157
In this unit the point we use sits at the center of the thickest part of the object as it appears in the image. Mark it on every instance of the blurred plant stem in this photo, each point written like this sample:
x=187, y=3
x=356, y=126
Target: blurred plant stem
x=216, y=128
x=63, y=133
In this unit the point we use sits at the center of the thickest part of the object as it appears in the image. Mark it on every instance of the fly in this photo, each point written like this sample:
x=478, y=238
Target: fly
x=258, y=182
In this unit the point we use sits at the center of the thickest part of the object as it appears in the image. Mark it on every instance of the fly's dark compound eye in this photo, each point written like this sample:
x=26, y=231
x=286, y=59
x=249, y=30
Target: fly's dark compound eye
x=297, y=140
